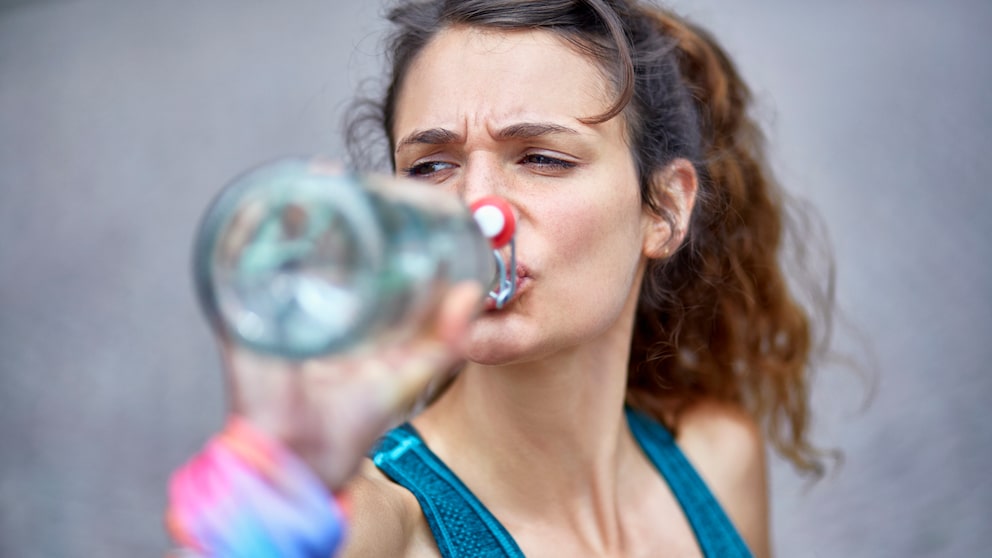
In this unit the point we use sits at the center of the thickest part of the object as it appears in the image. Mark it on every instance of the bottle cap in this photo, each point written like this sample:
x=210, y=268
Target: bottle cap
x=495, y=219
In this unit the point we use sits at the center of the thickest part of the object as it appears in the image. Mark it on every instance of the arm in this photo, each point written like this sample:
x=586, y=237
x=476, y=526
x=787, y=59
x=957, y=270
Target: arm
x=263, y=487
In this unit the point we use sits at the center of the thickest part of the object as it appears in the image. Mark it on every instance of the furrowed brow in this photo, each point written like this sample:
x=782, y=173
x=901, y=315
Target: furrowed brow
x=433, y=136
x=523, y=130
x=528, y=130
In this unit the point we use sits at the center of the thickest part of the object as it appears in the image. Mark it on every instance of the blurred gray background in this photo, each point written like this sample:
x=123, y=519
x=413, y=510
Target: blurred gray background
x=120, y=120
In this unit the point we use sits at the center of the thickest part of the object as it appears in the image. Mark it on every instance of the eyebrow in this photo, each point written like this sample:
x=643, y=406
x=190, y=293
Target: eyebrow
x=523, y=130
x=528, y=130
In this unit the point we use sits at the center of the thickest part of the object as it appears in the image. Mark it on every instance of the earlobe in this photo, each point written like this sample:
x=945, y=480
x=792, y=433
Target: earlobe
x=657, y=235
x=674, y=194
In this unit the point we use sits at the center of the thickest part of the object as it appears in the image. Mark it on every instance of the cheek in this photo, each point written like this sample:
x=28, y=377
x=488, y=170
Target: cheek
x=600, y=245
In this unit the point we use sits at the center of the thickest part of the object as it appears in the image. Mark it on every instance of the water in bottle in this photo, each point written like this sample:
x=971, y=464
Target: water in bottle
x=300, y=258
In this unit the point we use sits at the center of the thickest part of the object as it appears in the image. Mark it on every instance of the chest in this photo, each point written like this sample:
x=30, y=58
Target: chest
x=655, y=527
x=651, y=524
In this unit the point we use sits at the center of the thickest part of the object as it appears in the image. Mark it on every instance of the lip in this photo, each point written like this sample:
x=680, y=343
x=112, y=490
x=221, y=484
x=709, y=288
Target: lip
x=523, y=281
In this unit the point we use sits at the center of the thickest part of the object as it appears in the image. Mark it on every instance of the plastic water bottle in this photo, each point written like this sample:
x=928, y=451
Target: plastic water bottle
x=299, y=258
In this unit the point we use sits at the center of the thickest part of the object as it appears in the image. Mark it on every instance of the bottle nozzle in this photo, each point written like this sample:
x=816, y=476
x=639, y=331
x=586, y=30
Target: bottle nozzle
x=497, y=223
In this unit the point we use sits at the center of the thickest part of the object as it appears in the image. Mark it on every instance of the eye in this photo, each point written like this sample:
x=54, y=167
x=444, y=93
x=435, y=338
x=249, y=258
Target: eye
x=546, y=162
x=427, y=169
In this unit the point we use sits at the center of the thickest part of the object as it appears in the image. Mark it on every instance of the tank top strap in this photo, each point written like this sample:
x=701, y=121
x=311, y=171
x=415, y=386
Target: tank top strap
x=461, y=524
x=717, y=536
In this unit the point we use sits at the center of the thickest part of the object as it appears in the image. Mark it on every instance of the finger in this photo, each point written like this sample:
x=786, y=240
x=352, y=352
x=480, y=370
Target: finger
x=410, y=372
x=460, y=305
x=440, y=348
x=437, y=350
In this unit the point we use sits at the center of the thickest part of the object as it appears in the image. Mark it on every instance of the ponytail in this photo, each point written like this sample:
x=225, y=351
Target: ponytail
x=717, y=320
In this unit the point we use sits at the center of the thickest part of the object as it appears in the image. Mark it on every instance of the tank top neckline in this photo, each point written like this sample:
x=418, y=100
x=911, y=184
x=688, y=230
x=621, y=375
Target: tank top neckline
x=463, y=527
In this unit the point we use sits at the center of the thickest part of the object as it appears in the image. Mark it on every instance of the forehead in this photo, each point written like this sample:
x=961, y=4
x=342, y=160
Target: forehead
x=469, y=75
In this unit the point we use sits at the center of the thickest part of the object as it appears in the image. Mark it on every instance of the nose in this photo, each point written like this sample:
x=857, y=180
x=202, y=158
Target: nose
x=482, y=176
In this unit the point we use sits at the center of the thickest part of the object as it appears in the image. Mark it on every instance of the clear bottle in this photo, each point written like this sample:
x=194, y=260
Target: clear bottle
x=299, y=258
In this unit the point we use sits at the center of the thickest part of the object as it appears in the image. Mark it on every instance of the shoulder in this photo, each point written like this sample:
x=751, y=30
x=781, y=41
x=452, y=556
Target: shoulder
x=385, y=518
x=726, y=446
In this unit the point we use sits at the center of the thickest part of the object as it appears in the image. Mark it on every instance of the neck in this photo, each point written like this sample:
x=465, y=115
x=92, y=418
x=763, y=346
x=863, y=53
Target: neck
x=545, y=438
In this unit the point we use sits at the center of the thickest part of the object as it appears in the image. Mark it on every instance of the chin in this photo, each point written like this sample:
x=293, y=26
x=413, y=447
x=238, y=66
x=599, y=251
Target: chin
x=494, y=342
x=490, y=353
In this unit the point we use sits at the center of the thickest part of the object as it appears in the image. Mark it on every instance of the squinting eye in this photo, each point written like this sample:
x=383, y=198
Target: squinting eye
x=545, y=161
x=422, y=170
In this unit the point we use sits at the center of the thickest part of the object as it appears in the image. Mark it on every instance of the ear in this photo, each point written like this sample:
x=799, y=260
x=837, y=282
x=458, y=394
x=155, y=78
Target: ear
x=673, y=189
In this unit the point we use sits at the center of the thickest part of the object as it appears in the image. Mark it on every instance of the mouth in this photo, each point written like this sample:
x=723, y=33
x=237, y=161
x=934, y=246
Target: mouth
x=523, y=281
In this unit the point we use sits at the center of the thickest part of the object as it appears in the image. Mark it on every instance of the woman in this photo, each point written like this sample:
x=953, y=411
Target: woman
x=648, y=294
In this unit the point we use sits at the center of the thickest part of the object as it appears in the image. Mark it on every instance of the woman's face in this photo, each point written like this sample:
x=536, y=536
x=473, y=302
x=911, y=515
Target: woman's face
x=486, y=112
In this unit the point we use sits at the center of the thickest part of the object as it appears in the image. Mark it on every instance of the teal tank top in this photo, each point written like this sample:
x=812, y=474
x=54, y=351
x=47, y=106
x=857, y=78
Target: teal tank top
x=464, y=528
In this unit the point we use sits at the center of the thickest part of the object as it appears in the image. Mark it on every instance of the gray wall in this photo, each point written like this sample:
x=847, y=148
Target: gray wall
x=119, y=120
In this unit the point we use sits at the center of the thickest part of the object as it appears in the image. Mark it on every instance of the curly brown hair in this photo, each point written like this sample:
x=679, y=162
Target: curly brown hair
x=716, y=320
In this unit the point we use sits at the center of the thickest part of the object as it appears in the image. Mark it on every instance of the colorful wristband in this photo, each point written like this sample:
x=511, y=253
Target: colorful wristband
x=245, y=496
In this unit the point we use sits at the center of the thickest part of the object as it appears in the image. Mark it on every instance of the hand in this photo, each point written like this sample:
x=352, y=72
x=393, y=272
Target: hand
x=330, y=410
